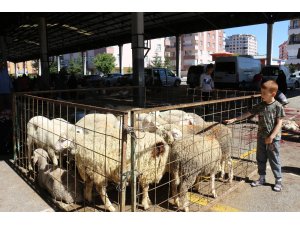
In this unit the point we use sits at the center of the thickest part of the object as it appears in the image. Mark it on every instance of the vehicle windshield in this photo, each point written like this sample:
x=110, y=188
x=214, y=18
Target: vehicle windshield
x=228, y=67
x=270, y=71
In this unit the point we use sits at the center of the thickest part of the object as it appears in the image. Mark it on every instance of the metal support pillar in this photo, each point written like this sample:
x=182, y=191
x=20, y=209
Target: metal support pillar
x=269, y=43
x=84, y=62
x=137, y=40
x=58, y=63
x=178, y=55
x=40, y=68
x=120, y=58
x=24, y=67
x=15, y=67
x=45, y=84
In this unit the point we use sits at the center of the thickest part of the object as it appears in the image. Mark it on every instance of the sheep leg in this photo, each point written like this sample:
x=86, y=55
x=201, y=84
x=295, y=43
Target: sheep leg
x=29, y=153
x=197, y=184
x=174, y=193
x=222, y=170
x=88, y=190
x=183, y=203
x=212, y=183
x=230, y=170
x=146, y=200
x=107, y=204
x=53, y=156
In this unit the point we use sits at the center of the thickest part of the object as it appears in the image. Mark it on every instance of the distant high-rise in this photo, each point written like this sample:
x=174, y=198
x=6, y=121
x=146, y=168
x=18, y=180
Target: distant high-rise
x=293, y=46
x=283, y=54
x=242, y=44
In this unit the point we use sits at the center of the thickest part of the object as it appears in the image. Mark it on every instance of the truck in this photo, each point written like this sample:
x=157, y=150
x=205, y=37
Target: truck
x=235, y=71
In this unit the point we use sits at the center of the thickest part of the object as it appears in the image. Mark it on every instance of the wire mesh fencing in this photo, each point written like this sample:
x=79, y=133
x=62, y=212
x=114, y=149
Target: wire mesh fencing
x=98, y=152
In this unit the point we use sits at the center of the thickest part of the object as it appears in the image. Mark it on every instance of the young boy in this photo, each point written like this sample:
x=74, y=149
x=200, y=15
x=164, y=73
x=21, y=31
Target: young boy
x=270, y=114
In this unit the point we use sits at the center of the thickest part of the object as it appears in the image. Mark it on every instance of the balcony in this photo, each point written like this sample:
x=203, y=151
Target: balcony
x=294, y=42
x=294, y=30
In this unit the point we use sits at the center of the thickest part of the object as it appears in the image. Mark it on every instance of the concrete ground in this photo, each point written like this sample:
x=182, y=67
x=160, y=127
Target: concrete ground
x=263, y=199
x=17, y=195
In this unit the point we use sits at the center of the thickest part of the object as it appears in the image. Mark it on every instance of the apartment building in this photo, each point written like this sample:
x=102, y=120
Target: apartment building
x=293, y=46
x=242, y=44
x=196, y=48
x=283, y=54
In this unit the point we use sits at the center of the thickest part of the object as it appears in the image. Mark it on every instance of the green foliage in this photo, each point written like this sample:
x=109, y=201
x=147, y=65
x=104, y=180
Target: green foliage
x=105, y=62
x=292, y=68
x=129, y=70
x=53, y=67
x=75, y=66
x=156, y=62
x=168, y=64
x=35, y=65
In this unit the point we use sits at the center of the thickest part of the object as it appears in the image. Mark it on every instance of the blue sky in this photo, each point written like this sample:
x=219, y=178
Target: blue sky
x=280, y=34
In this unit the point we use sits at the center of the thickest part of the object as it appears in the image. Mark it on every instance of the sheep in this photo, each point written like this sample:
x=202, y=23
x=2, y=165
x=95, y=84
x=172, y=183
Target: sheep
x=95, y=121
x=56, y=181
x=290, y=125
x=45, y=133
x=191, y=157
x=98, y=153
x=224, y=136
x=177, y=117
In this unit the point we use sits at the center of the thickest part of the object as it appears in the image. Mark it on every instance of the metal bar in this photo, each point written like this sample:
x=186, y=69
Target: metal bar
x=44, y=53
x=123, y=162
x=120, y=58
x=133, y=174
x=269, y=43
x=186, y=105
x=138, y=57
x=178, y=55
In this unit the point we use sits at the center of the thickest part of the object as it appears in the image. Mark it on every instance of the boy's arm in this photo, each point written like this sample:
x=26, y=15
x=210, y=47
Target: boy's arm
x=242, y=117
x=275, y=131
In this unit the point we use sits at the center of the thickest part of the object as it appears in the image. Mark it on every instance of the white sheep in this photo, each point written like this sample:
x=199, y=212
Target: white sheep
x=61, y=185
x=290, y=125
x=98, y=158
x=45, y=133
x=191, y=157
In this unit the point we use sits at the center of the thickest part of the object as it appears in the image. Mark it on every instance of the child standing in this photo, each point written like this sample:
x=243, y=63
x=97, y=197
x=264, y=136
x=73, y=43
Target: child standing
x=270, y=114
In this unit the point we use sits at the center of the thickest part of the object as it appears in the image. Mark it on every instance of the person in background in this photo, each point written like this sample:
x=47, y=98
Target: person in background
x=206, y=82
x=257, y=80
x=5, y=87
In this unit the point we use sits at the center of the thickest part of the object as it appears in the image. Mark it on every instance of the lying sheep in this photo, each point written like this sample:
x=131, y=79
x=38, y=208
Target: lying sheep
x=45, y=133
x=56, y=181
x=98, y=160
x=191, y=157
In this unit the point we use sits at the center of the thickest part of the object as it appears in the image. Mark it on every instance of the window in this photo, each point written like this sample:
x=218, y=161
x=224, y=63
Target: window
x=213, y=36
x=208, y=35
x=208, y=44
x=158, y=47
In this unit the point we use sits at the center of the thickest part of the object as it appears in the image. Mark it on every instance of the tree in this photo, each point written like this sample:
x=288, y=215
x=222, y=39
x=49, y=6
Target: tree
x=167, y=63
x=35, y=65
x=129, y=70
x=292, y=68
x=75, y=66
x=156, y=62
x=105, y=62
x=53, y=67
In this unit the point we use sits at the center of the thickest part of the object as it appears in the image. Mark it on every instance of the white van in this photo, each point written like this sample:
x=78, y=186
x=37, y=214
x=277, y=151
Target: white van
x=235, y=71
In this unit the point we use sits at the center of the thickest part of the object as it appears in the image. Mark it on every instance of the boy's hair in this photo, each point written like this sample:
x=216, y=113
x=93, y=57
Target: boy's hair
x=209, y=66
x=270, y=85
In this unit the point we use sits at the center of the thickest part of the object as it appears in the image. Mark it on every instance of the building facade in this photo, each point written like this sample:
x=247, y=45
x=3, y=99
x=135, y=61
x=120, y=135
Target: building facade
x=293, y=46
x=196, y=48
x=242, y=44
x=283, y=54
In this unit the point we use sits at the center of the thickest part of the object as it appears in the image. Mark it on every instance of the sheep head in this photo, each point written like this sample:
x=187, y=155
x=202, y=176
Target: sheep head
x=40, y=155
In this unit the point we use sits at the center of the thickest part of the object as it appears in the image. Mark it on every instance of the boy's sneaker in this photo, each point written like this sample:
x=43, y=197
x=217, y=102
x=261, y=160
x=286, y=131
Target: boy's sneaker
x=258, y=182
x=278, y=186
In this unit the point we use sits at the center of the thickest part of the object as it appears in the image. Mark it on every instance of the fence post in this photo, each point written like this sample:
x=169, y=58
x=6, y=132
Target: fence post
x=14, y=119
x=133, y=174
x=123, y=162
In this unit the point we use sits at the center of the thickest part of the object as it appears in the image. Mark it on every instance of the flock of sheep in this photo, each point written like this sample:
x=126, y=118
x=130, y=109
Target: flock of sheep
x=172, y=141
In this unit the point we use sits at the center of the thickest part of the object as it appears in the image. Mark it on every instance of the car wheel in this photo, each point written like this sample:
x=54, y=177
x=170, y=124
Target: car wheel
x=177, y=83
x=297, y=85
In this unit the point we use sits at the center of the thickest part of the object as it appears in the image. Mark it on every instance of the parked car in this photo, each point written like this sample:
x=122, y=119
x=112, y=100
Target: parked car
x=92, y=80
x=235, y=71
x=126, y=79
x=112, y=79
x=161, y=77
x=272, y=72
x=296, y=76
